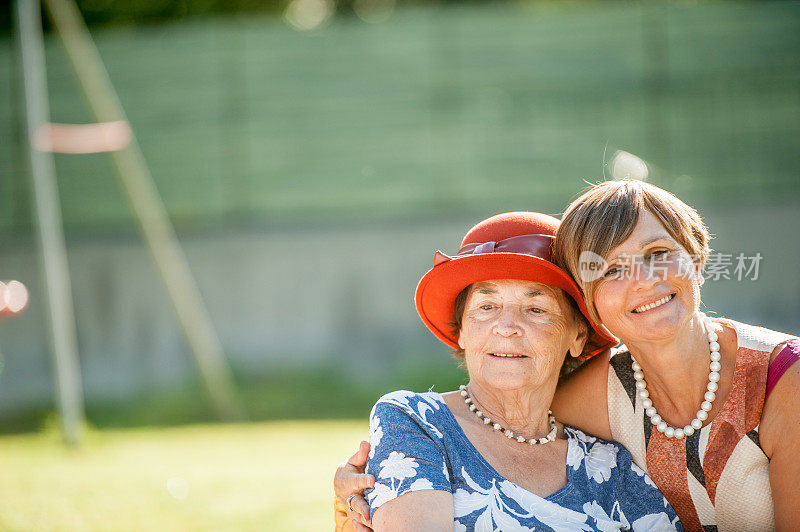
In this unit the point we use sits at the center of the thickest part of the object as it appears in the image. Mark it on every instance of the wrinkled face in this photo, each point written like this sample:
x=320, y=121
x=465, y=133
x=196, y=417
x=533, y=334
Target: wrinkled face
x=650, y=287
x=515, y=334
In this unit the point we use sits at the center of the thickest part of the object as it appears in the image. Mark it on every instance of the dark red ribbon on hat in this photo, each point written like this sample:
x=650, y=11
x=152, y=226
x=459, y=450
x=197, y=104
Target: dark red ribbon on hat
x=535, y=245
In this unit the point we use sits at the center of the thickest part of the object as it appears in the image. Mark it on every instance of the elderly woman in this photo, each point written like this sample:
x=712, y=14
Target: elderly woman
x=706, y=406
x=491, y=456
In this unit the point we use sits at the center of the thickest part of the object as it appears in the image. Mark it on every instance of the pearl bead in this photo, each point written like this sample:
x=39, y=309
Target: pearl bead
x=463, y=392
x=715, y=366
x=509, y=433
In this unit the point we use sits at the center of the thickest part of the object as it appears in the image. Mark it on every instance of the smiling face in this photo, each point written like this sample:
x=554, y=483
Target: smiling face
x=650, y=288
x=515, y=334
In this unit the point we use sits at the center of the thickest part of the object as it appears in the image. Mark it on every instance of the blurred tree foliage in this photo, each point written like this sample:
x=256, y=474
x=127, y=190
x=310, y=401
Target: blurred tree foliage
x=132, y=12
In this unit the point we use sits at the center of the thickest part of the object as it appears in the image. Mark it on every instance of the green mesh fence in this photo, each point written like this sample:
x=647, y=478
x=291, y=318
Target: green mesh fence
x=436, y=109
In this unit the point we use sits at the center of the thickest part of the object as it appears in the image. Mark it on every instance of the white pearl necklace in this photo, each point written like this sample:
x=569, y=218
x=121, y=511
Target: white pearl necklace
x=705, y=407
x=551, y=436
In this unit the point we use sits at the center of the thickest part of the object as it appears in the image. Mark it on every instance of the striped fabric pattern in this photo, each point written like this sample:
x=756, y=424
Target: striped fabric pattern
x=717, y=479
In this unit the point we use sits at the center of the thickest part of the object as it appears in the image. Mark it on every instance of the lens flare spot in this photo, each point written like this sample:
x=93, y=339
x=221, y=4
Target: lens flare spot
x=14, y=297
x=625, y=165
x=308, y=14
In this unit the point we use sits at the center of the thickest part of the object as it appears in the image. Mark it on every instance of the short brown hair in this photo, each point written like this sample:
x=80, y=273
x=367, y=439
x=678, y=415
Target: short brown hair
x=606, y=214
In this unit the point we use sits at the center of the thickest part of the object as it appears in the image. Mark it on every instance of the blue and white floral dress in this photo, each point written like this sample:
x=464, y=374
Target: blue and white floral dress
x=417, y=444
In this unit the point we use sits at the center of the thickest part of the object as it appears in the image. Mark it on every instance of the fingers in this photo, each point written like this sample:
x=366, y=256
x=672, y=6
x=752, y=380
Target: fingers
x=347, y=482
x=350, y=477
x=359, y=460
x=361, y=510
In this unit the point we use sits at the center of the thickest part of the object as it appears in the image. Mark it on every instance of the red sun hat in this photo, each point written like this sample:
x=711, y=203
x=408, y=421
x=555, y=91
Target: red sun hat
x=512, y=245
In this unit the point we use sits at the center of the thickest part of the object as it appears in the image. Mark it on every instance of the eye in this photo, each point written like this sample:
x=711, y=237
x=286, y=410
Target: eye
x=486, y=306
x=613, y=272
x=536, y=310
x=657, y=254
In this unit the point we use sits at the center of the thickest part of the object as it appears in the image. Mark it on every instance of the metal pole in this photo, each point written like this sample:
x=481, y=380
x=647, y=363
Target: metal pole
x=47, y=213
x=149, y=211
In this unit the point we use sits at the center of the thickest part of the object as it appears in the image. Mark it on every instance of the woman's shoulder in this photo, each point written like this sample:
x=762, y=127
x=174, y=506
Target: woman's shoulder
x=403, y=415
x=413, y=404
x=755, y=337
x=408, y=399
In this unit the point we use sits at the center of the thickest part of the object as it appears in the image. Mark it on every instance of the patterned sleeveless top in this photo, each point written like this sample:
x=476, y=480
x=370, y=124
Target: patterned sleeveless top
x=705, y=476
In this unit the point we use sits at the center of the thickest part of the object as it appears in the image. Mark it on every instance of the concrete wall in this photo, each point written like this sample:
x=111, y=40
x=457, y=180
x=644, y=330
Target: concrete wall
x=305, y=296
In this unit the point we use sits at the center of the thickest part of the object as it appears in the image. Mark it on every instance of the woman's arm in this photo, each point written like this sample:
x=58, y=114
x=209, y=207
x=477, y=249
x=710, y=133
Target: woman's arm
x=582, y=400
x=779, y=435
x=412, y=488
x=415, y=511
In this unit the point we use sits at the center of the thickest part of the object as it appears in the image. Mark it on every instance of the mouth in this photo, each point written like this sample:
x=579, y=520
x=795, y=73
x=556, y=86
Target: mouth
x=506, y=355
x=654, y=304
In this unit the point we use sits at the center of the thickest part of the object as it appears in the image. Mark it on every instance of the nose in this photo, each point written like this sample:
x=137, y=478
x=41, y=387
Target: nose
x=645, y=275
x=507, y=323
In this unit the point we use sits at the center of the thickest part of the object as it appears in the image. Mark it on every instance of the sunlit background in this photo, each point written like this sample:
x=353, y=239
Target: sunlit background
x=311, y=156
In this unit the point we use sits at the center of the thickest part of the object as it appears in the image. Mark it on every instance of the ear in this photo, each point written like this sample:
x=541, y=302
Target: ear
x=460, y=342
x=582, y=334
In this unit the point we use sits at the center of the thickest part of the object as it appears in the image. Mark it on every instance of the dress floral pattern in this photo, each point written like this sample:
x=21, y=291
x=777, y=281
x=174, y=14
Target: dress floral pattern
x=417, y=444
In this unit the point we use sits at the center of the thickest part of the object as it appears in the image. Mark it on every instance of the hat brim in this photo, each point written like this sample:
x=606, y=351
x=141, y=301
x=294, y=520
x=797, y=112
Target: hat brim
x=438, y=288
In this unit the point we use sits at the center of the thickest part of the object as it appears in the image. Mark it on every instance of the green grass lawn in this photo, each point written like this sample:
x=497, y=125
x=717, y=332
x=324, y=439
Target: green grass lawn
x=258, y=476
